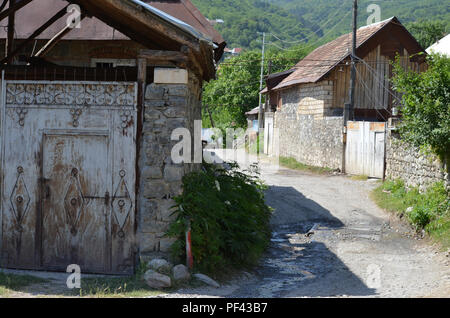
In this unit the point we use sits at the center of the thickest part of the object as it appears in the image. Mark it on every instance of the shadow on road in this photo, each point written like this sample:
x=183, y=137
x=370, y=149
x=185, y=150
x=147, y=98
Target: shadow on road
x=291, y=206
x=298, y=264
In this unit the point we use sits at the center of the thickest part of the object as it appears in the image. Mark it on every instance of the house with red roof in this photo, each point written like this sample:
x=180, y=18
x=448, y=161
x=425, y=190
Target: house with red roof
x=306, y=103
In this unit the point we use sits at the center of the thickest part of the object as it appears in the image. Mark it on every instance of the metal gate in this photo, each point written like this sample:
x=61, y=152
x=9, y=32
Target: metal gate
x=365, y=152
x=68, y=158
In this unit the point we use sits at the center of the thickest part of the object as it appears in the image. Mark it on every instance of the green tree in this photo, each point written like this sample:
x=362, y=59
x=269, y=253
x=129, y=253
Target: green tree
x=427, y=32
x=426, y=105
x=236, y=90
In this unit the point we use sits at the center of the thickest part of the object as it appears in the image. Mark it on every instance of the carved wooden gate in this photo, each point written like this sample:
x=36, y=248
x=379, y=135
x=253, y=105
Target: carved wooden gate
x=68, y=175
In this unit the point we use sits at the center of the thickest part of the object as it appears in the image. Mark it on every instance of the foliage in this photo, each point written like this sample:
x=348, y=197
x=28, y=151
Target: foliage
x=333, y=18
x=426, y=105
x=429, y=210
x=228, y=215
x=243, y=19
x=427, y=32
x=236, y=90
x=313, y=21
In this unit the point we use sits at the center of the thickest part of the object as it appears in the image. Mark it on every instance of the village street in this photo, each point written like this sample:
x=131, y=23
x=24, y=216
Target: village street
x=352, y=242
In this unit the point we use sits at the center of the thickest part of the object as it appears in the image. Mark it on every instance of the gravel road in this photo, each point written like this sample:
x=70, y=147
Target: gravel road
x=354, y=248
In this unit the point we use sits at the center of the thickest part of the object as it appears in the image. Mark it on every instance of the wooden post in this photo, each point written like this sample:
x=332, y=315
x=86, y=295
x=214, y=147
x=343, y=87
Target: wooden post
x=35, y=34
x=11, y=25
x=349, y=107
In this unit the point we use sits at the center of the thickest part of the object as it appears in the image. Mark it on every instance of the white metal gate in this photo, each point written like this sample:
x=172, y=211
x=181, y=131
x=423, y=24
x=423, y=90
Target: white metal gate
x=68, y=163
x=365, y=151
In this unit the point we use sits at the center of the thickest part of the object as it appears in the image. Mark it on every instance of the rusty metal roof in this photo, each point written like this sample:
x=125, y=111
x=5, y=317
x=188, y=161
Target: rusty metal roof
x=274, y=79
x=323, y=59
x=187, y=12
x=254, y=111
x=36, y=13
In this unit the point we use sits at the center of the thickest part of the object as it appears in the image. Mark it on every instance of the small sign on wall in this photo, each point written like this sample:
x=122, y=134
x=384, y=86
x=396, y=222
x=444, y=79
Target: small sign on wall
x=171, y=76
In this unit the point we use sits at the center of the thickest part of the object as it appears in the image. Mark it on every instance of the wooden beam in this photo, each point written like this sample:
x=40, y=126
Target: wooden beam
x=160, y=58
x=36, y=33
x=11, y=26
x=53, y=41
x=13, y=7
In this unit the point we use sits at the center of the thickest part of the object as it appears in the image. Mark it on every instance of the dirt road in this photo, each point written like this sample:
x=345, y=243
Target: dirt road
x=329, y=240
x=354, y=250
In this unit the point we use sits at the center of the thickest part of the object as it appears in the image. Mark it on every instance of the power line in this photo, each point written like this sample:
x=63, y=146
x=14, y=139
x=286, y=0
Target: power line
x=314, y=32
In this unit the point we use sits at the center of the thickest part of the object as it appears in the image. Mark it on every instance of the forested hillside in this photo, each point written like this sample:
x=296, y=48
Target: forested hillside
x=408, y=11
x=315, y=21
x=243, y=19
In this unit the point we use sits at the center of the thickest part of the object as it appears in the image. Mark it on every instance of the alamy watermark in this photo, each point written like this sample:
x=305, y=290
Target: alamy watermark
x=74, y=19
x=374, y=11
x=74, y=279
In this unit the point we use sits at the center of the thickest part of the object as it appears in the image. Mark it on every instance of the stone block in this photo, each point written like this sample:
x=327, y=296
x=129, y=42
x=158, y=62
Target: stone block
x=173, y=173
x=170, y=76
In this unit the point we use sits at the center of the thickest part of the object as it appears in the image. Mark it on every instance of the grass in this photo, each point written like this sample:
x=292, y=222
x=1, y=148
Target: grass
x=291, y=163
x=116, y=287
x=429, y=211
x=360, y=178
x=12, y=282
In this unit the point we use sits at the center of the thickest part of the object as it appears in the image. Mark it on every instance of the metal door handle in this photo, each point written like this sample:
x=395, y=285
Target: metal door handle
x=47, y=191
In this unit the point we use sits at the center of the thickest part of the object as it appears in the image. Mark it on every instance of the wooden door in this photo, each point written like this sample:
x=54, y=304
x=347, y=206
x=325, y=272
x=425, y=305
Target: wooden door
x=365, y=151
x=76, y=202
x=68, y=163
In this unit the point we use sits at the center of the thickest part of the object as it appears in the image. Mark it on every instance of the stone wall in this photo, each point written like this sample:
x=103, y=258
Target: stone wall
x=305, y=132
x=167, y=107
x=407, y=163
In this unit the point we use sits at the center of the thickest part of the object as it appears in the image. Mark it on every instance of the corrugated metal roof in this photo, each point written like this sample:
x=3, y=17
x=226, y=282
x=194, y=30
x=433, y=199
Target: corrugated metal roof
x=184, y=10
x=182, y=13
x=254, y=111
x=323, y=59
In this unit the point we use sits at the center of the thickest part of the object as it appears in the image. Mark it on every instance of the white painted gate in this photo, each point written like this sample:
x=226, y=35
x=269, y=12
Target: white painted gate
x=365, y=151
x=68, y=163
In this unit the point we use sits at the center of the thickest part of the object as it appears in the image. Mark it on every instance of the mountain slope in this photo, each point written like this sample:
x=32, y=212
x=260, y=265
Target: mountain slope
x=314, y=21
x=243, y=19
x=408, y=11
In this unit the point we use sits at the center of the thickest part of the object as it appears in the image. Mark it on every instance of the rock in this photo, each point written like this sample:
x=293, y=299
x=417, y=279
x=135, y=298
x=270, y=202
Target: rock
x=160, y=265
x=410, y=209
x=181, y=273
x=157, y=280
x=207, y=280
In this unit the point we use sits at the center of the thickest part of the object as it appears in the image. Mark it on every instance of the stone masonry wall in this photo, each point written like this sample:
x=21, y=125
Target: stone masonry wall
x=304, y=132
x=407, y=163
x=167, y=107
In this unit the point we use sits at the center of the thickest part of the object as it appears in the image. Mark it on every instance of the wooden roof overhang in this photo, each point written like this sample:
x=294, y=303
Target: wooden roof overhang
x=150, y=27
x=152, y=30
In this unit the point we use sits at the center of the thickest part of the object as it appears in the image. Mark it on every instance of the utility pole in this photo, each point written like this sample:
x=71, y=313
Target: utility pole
x=261, y=113
x=350, y=106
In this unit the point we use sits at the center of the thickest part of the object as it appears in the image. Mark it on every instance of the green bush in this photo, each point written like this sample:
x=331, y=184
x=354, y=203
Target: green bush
x=230, y=222
x=427, y=208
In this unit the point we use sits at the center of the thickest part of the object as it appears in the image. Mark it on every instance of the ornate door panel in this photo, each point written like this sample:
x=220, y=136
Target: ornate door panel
x=75, y=204
x=68, y=183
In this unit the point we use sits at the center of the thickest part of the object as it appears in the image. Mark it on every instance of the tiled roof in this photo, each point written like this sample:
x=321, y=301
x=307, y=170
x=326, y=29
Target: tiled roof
x=323, y=59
